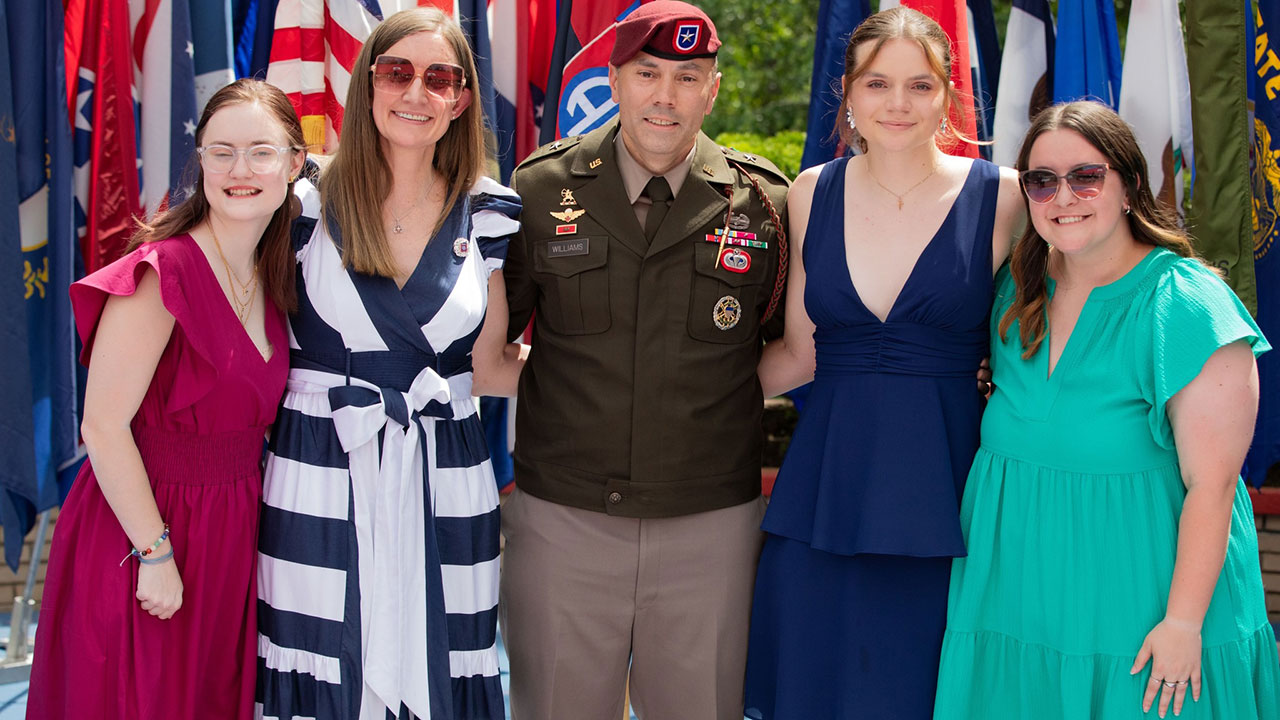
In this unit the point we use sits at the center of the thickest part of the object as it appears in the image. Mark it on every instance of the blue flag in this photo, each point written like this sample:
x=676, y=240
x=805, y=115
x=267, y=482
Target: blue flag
x=168, y=112
x=1087, y=60
x=473, y=16
x=984, y=59
x=39, y=183
x=18, y=486
x=1265, y=99
x=253, y=32
x=836, y=21
x=212, y=48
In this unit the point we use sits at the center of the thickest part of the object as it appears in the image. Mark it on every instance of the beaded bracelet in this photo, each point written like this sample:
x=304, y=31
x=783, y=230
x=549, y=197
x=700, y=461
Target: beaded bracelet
x=140, y=554
x=158, y=560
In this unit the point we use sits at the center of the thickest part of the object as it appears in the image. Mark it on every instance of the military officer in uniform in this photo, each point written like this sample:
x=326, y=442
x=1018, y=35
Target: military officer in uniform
x=649, y=258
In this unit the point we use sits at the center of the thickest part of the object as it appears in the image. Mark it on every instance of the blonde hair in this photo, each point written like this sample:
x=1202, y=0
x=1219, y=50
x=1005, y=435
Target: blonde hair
x=355, y=184
x=905, y=24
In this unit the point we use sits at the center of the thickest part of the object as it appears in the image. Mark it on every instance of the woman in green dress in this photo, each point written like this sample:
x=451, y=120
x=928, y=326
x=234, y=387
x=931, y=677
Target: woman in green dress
x=1113, y=560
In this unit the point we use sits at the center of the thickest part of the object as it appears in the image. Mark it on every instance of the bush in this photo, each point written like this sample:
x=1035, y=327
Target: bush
x=766, y=61
x=785, y=149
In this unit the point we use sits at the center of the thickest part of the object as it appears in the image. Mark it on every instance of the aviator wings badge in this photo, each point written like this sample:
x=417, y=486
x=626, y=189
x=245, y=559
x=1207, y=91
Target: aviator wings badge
x=567, y=216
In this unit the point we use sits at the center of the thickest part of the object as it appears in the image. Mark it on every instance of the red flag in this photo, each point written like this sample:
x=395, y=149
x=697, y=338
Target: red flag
x=578, y=95
x=536, y=38
x=104, y=133
x=953, y=16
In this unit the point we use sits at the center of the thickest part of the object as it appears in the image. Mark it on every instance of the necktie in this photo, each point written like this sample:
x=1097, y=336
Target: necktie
x=659, y=193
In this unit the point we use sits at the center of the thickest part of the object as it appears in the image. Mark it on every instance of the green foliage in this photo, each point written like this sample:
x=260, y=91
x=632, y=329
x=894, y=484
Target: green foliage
x=784, y=148
x=766, y=62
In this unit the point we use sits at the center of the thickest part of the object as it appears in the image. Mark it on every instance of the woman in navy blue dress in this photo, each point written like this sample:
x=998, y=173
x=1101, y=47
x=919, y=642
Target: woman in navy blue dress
x=890, y=287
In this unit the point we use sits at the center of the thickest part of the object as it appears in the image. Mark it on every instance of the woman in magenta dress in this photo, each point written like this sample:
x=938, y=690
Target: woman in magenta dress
x=149, y=605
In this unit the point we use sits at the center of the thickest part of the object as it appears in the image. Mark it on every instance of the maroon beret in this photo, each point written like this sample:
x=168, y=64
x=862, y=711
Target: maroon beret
x=668, y=29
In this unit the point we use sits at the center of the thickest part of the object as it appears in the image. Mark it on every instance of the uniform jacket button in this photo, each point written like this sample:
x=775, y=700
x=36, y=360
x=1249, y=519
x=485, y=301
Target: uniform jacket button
x=615, y=497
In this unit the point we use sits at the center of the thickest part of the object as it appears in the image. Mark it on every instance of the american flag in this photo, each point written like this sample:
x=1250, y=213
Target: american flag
x=164, y=77
x=314, y=48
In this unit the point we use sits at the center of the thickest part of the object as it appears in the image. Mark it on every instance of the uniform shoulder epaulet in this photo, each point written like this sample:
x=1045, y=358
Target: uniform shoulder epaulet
x=754, y=161
x=551, y=148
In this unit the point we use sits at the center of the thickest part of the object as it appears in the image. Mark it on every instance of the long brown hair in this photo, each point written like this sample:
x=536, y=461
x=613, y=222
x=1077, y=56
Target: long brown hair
x=353, y=187
x=905, y=24
x=1150, y=222
x=275, y=258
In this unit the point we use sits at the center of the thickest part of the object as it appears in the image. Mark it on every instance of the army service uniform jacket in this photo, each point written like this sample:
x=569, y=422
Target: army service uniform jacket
x=640, y=398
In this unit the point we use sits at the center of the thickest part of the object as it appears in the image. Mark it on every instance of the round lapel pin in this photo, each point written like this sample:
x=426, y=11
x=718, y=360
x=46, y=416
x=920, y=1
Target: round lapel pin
x=461, y=247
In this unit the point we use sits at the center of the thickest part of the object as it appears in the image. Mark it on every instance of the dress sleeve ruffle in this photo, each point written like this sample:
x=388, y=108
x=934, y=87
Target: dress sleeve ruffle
x=197, y=358
x=1193, y=313
x=495, y=210
x=308, y=196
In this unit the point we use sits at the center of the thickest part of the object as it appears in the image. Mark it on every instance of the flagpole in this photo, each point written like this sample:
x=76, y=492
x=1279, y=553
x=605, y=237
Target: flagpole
x=16, y=655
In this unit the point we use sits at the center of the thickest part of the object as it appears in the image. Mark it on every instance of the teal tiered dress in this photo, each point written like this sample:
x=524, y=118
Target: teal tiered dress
x=1071, y=516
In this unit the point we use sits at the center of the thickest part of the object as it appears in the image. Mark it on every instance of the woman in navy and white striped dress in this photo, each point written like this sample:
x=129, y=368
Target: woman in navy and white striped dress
x=379, y=540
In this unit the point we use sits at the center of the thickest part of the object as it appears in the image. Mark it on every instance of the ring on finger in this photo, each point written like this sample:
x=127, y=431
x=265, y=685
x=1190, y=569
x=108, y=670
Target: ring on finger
x=1168, y=684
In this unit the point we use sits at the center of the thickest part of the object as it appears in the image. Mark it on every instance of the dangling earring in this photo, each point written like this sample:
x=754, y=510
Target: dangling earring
x=848, y=116
x=942, y=126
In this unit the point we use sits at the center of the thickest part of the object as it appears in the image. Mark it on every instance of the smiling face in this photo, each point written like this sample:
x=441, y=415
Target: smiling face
x=414, y=118
x=661, y=105
x=1073, y=226
x=899, y=101
x=240, y=194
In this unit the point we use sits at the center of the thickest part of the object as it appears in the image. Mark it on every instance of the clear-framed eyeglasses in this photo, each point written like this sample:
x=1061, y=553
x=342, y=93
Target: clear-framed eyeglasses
x=260, y=158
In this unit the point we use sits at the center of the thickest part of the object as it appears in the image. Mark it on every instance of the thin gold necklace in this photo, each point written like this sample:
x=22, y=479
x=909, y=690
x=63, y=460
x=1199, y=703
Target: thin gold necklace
x=397, y=228
x=243, y=295
x=904, y=193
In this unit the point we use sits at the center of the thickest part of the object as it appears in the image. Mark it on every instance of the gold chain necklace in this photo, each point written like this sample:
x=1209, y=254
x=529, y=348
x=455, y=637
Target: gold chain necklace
x=243, y=295
x=904, y=193
x=397, y=228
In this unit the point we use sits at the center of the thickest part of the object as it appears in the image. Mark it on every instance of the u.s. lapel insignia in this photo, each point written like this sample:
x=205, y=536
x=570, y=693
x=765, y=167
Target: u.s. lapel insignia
x=461, y=247
x=727, y=313
x=566, y=197
x=567, y=216
x=707, y=169
x=594, y=163
x=735, y=260
x=739, y=221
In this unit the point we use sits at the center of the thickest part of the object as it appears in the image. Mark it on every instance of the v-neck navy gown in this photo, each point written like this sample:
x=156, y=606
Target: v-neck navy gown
x=851, y=591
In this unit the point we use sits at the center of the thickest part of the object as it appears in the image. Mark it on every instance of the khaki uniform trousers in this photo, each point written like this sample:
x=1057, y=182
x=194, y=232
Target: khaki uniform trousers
x=587, y=597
